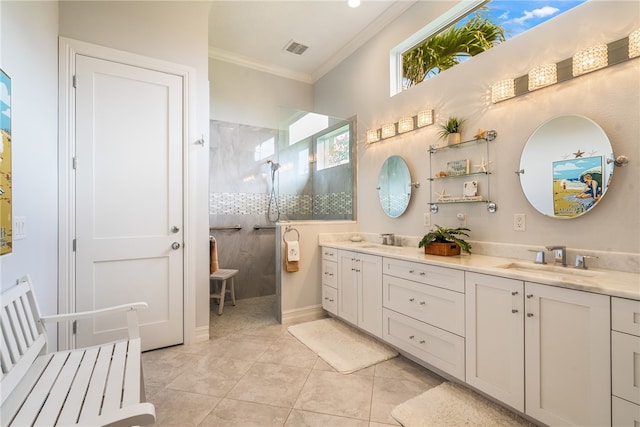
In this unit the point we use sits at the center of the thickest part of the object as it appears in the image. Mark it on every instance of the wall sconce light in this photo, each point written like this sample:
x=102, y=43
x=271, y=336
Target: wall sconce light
x=634, y=44
x=543, y=75
x=388, y=130
x=425, y=118
x=373, y=135
x=504, y=89
x=405, y=124
x=590, y=59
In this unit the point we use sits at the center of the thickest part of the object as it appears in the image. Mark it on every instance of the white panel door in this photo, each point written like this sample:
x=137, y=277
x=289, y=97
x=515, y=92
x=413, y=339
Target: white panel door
x=129, y=204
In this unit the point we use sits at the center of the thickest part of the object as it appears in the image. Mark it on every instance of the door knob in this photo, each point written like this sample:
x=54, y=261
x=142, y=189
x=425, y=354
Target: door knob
x=175, y=229
x=175, y=246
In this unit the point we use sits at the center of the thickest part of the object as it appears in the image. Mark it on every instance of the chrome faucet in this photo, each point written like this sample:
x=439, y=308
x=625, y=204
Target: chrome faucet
x=387, y=239
x=559, y=253
x=581, y=261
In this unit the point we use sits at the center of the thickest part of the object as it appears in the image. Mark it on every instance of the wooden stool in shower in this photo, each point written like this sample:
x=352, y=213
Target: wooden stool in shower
x=221, y=277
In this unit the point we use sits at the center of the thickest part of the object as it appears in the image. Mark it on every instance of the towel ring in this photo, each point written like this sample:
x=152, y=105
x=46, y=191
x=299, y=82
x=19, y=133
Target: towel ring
x=288, y=229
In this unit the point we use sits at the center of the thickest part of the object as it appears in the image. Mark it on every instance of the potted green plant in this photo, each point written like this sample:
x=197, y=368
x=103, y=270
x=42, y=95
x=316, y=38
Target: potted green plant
x=451, y=130
x=445, y=241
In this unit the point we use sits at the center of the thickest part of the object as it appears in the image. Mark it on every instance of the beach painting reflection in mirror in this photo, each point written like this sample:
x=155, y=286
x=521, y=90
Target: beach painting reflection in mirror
x=578, y=184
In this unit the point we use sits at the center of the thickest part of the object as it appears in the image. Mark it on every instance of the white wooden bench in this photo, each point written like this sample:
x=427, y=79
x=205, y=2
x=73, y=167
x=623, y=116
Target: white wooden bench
x=94, y=386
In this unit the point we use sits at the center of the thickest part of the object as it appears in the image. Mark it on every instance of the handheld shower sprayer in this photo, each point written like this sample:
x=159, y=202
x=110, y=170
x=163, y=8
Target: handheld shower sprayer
x=274, y=166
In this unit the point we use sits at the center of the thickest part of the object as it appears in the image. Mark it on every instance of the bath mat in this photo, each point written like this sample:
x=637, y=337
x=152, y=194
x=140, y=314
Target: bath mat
x=342, y=346
x=451, y=404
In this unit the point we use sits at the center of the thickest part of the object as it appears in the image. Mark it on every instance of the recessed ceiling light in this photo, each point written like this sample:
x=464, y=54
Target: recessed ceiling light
x=353, y=3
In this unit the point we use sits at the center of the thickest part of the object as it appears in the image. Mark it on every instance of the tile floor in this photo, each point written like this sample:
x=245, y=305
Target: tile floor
x=252, y=372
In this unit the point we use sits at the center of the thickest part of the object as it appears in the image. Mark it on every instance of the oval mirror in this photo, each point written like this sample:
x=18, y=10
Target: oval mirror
x=394, y=186
x=566, y=166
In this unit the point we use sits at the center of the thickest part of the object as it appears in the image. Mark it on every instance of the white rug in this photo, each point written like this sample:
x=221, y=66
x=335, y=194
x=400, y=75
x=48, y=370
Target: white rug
x=342, y=346
x=451, y=404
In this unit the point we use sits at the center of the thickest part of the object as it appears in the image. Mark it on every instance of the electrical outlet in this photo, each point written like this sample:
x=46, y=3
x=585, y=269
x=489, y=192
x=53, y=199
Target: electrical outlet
x=519, y=222
x=462, y=219
x=427, y=219
x=19, y=227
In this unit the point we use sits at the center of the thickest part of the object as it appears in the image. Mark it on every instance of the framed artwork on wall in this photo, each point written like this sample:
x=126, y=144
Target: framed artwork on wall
x=6, y=220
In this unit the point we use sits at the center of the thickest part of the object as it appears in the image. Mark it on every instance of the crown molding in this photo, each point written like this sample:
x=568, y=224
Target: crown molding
x=243, y=61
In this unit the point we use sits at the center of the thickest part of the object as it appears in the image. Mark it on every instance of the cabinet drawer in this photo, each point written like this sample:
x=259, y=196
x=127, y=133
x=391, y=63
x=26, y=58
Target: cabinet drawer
x=625, y=362
x=438, y=307
x=624, y=414
x=434, y=346
x=330, y=254
x=330, y=299
x=330, y=273
x=625, y=315
x=442, y=277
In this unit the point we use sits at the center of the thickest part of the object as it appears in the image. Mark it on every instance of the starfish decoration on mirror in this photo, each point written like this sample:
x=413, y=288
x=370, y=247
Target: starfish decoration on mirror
x=482, y=167
x=442, y=195
x=482, y=134
x=578, y=153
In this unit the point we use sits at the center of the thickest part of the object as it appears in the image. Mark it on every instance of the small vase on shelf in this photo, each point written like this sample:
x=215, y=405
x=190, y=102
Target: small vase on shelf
x=453, y=138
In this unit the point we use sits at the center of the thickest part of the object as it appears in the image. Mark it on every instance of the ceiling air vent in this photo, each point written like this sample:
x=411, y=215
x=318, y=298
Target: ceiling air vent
x=296, y=48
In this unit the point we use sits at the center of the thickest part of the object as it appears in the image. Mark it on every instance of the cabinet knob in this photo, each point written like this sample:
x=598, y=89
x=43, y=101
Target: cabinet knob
x=330, y=299
x=529, y=314
x=412, y=299
x=423, y=302
x=422, y=341
x=412, y=337
x=530, y=296
x=422, y=273
x=411, y=271
x=513, y=310
x=514, y=293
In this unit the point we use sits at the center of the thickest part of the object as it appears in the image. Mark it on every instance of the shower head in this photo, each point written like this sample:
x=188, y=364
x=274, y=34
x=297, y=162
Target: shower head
x=274, y=166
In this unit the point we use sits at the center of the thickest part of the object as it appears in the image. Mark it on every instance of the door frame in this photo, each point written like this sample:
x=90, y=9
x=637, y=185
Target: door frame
x=68, y=49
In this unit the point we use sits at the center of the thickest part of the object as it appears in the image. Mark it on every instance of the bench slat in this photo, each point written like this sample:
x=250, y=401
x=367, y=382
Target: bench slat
x=14, y=400
x=20, y=369
x=5, y=356
x=58, y=394
x=39, y=393
x=115, y=382
x=31, y=321
x=16, y=328
x=93, y=400
x=133, y=387
x=72, y=407
x=7, y=331
x=24, y=325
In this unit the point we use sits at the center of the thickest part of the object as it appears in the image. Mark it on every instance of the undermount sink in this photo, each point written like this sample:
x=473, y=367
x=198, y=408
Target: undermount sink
x=549, y=270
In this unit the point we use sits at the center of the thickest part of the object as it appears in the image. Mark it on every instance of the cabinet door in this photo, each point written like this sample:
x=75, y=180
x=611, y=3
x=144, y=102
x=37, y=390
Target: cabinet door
x=495, y=337
x=567, y=350
x=347, y=287
x=370, y=293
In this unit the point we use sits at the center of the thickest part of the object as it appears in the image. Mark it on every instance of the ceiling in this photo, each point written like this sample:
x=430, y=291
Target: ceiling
x=255, y=33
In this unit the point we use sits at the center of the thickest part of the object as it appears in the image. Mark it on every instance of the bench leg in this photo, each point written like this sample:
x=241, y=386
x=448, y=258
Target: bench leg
x=233, y=292
x=223, y=290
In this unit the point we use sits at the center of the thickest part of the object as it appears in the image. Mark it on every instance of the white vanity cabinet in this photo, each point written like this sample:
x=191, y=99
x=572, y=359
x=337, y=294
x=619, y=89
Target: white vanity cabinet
x=564, y=337
x=360, y=290
x=625, y=361
x=330, y=280
x=424, y=313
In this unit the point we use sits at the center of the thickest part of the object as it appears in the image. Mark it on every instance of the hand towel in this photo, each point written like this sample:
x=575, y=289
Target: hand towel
x=213, y=253
x=293, y=251
x=289, y=266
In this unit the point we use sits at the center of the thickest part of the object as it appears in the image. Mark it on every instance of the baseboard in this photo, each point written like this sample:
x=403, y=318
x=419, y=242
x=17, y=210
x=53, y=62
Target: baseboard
x=304, y=314
x=202, y=334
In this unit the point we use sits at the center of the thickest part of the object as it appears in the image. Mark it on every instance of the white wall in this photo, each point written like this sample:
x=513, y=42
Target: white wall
x=29, y=55
x=250, y=97
x=360, y=85
x=174, y=31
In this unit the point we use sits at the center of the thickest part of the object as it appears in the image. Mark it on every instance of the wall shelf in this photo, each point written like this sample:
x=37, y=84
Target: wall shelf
x=445, y=199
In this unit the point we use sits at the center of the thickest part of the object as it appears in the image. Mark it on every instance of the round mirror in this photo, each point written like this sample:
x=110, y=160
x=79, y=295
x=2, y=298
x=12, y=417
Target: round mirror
x=566, y=166
x=394, y=186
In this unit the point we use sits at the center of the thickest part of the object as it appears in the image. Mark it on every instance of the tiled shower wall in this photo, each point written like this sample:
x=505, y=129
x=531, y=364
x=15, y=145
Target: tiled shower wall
x=239, y=193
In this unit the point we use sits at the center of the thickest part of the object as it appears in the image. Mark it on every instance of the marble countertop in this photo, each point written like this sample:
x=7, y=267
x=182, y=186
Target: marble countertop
x=608, y=282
